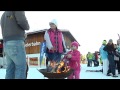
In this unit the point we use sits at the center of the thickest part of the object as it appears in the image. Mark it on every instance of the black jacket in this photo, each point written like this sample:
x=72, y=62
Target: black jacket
x=110, y=49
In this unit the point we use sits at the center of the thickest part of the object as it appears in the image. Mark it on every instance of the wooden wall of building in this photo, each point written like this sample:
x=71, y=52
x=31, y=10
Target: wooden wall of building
x=67, y=40
x=39, y=37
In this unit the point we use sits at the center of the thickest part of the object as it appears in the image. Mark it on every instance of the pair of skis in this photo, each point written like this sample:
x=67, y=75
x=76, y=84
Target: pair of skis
x=93, y=70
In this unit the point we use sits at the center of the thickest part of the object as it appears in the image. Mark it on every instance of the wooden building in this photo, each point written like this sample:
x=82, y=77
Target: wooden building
x=35, y=38
x=32, y=45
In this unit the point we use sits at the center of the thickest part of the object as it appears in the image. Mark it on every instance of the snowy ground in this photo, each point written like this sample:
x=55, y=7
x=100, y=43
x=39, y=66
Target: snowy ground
x=34, y=74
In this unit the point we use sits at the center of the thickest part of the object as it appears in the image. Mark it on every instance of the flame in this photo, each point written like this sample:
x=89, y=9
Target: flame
x=61, y=67
x=52, y=64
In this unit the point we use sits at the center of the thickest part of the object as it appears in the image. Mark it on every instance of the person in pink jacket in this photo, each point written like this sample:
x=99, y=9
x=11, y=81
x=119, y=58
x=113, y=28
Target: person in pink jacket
x=55, y=43
x=73, y=57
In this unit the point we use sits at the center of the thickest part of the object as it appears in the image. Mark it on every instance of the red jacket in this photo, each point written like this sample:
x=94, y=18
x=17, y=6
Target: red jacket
x=96, y=56
x=1, y=45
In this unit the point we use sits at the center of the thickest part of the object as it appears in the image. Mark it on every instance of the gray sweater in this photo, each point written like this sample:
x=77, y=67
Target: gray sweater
x=13, y=25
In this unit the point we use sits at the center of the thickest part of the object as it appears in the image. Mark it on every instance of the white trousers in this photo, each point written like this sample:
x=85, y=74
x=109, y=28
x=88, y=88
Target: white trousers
x=105, y=66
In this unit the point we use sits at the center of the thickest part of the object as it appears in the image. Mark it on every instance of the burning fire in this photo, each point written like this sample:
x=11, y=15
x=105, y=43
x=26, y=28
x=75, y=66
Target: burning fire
x=58, y=67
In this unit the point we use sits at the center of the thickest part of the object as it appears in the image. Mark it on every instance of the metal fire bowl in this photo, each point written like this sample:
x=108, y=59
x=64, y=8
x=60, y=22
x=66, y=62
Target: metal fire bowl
x=55, y=75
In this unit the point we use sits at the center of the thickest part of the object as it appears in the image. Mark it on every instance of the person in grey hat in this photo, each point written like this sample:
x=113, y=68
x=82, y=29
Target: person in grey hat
x=110, y=50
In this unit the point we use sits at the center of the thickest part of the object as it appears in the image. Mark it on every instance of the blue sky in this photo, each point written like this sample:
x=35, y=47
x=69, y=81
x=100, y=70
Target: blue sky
x=88, y=27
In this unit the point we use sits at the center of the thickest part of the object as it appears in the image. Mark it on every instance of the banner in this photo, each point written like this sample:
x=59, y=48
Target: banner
x=42, y=51
x=33, y=61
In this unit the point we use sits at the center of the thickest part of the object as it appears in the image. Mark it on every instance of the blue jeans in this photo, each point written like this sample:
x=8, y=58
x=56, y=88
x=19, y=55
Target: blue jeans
x=89, y=62
x=16, y=59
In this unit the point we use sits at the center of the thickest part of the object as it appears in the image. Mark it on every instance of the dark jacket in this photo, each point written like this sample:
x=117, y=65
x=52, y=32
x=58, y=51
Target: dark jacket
x=110, y=49
x=13, y=25
x=96, y=56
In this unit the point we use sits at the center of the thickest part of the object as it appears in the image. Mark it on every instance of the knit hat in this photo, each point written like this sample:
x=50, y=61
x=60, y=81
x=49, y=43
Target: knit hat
x=75, y=44
x=104, y=42
x=54, y=22
x=110, y=40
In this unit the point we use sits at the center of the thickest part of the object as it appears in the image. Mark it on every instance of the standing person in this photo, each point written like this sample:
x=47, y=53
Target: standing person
x=73, y=57
x=104, y=57
x=88, y=63
x=96, y=62
x=118, y=51
x=117, y=55
x=116, y=58
x=14, y=24
x=55, y=43
x=110, y=50
x=93, y=59
x=90, y=59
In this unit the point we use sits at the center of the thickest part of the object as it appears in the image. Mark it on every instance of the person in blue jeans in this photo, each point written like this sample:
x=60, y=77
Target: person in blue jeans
x=13, y=26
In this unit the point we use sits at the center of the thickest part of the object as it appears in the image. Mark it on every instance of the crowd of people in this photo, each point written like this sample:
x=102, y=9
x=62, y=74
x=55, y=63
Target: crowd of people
x=110, y=55
x=92, y=57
